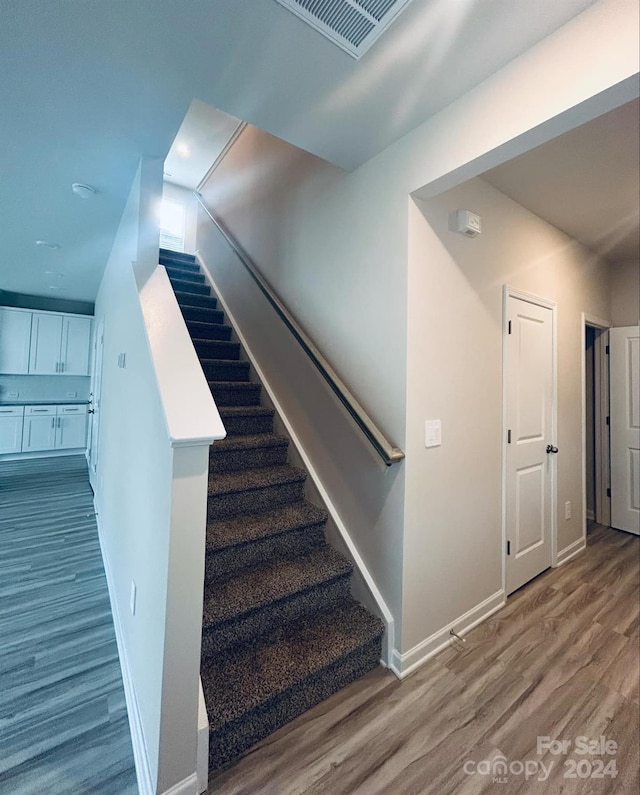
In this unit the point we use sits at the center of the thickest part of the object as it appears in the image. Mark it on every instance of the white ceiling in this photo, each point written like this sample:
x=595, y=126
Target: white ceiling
x=203, y=134
x=586, y=182
x=88, y=86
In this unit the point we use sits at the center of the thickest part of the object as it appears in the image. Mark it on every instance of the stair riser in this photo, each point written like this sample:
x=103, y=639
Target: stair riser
x=226, y=744
x=222, y=506
x=193, y=299
x=221, y=565
x=216, y=349
x=226, y=371
x=177, y=256
x=184, y=275
x=180, y=285
x=187, y=265
x=245, y=395
x=180, y=267
x=232, y=460
x=274, y=617
x=202, y=316
x=208, y=331
x=238, y=426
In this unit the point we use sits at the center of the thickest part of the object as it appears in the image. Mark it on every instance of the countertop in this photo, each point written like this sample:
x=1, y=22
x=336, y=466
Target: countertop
x=68, y=402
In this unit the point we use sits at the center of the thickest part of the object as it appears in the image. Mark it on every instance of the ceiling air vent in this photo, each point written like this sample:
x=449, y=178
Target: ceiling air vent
x=351, y=24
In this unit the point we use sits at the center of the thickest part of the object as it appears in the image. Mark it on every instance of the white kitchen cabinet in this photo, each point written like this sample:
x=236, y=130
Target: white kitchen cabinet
x=15, y=338
x=11, y=418
x=71, y=429
x=40, y=428
x=39, y=432
x=59, y=344
x=74, y=349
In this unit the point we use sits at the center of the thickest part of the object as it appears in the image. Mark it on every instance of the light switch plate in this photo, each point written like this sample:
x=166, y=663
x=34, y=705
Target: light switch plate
x=432, y=433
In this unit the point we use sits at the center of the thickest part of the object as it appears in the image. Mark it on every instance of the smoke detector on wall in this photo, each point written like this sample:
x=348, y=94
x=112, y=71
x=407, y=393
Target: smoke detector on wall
x=466, y=223
x=353, y=25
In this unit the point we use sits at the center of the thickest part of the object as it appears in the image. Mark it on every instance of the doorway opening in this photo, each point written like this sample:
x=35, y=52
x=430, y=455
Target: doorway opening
x=596, y=484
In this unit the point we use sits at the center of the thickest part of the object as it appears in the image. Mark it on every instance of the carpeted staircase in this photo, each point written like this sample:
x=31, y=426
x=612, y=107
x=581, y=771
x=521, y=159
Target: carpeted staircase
x=280, y=630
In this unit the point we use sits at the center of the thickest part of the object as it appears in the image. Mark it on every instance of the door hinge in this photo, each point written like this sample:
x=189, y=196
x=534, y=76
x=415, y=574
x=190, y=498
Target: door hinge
x=606, y=349
x=608, y=420
x=508, y=547
x=608, y=492
x=509, y=436
x=509, y=327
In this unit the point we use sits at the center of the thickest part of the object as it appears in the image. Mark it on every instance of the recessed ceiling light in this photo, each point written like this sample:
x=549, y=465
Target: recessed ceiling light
x=47, y=244
x=54, y=274
x=183, y=149
x=84, y=191
x=55, y=287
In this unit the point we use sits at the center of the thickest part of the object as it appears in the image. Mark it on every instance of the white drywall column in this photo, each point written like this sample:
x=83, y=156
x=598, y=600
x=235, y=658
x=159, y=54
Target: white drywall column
x=151, y=497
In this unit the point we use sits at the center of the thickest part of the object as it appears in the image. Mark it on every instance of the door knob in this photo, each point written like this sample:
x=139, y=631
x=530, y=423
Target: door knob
x=551, y=449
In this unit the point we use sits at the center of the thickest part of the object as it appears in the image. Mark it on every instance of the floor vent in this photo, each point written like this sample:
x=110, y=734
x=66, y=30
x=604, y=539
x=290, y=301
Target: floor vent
x=353, y=25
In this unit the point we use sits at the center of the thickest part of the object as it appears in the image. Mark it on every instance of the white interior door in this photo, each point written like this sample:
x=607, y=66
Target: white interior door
x=96, y=392
x=529, y=443
x=624, y=349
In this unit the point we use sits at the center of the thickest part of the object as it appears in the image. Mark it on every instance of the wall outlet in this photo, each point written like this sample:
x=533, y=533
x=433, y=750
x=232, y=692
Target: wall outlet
x=13, y=395
x=132, y=598
x=72, y=394
x=567, y=509
x=122, y=360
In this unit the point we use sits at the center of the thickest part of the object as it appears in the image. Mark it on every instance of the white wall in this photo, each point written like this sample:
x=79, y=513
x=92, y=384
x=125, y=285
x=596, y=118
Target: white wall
x=335, y=245
x=134, y=470
x=453, y=556
x=185, y=197
x=151, y=491
x=625, y=293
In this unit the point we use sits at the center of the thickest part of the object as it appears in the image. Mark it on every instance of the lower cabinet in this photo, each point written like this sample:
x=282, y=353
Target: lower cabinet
x=71, y=431
x=39, y=433
x=11, y=429
x=42, y=428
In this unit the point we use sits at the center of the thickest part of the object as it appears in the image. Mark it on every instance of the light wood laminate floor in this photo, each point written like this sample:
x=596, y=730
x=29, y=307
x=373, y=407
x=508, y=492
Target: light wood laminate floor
x=559, y=661
x=63, y=720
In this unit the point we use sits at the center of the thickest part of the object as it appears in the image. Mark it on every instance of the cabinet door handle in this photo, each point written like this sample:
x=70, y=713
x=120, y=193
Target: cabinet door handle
x=59, y=422
x=57, y=367
x=53, y=422
x=62, y=367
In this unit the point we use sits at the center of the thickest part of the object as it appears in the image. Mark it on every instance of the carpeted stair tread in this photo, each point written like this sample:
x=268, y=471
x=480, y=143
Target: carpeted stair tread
x=235, y=393
x=186, y=286
x=272, y=583
x=250, y=441
x=225, y=369
x=187, y=299
x=183, y=274
x=238, y=530
x=203, y=330
x=216, y=349
x=169, y=253
x=248, y=451
x=237, y=419
x=250, y=678
x=251, y=479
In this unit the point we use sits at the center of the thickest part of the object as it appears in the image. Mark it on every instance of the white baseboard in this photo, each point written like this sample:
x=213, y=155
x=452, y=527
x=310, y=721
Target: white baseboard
x=140, y=756
x=385, y=614
x=188, y=786
x=568, y=553
x=43, y=454
x=403, y=664
x=202, y=763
